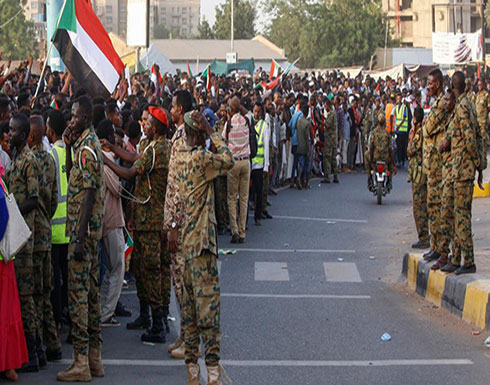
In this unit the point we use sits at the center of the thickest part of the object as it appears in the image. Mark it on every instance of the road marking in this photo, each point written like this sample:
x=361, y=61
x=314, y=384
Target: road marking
x=288, y=363
x=271, y=271
x=315, y=219
x=341, y=272
x=292, y=296
x=313, y=251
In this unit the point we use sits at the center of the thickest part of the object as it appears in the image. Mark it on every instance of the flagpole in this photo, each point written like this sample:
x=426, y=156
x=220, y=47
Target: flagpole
x=197, y=65
x=50, y=48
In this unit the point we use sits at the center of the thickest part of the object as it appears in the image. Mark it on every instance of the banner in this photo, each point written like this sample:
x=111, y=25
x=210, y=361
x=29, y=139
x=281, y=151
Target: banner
x=460, y=48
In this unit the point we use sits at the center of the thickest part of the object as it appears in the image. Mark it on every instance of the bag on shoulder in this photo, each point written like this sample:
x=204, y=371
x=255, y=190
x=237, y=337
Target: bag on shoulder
x=17, y=233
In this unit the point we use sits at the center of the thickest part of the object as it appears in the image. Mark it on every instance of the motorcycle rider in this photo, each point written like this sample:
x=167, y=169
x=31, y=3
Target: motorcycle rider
x=380, y=149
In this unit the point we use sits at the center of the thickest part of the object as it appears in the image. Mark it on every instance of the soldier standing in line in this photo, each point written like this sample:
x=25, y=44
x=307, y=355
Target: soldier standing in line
x=447, y=202
x=43, y=271
x=418, y=180
x=174, y=209
x=22, y=181
x=201, y=281
x=330, y=144
x=482, y=110
x=466, y=156
x=85, y=208
x=151, y=258
x=433, y=132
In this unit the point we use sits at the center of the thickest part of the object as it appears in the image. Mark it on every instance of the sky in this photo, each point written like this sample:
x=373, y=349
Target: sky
x=208, y=8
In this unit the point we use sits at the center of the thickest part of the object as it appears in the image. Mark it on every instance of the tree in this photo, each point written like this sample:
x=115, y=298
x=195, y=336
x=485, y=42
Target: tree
x=204, y=30
x=244, y=19
x=327, y=34
x=160, y=32
x=17, y=37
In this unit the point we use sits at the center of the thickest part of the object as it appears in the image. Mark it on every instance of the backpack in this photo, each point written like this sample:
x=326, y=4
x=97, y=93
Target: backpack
x=252, y=137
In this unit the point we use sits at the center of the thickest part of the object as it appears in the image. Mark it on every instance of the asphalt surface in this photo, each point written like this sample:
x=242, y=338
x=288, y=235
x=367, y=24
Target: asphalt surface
x=306, y=299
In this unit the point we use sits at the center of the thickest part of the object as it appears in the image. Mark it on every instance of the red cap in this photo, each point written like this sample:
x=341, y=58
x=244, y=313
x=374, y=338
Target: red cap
x=159, y=114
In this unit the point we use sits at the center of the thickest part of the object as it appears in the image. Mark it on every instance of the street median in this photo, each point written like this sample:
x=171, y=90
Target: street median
x=466, y=296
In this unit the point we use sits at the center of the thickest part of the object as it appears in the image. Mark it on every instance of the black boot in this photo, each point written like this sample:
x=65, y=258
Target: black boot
x=41, y=355
x=157, y=332
x=165, y=318
x=33, y=364
x=143, y=321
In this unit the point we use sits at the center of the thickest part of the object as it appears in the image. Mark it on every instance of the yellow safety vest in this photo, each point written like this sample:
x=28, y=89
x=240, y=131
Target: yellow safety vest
x=400, y=113
x=259, y=158
x=58, y=222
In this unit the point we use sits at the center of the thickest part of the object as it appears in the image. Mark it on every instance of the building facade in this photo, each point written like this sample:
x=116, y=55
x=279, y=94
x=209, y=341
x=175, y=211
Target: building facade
x=35, y=11
x=413, y=21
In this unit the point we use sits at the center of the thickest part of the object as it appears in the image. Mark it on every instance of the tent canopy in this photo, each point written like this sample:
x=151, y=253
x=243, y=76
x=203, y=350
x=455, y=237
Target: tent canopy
x=223, y=68
x=155, y=56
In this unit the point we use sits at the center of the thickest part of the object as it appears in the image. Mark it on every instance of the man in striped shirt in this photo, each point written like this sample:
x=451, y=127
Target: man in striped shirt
x=236, y=133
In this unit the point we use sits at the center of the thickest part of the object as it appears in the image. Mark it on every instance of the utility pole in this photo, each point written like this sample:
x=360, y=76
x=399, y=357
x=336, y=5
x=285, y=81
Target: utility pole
x=232, y=26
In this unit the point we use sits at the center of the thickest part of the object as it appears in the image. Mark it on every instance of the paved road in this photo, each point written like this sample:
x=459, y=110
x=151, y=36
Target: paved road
x=305, y=302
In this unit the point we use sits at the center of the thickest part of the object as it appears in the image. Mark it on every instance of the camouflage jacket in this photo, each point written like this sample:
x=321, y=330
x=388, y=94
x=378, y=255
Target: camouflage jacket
x=87, y=172
x=22, y=180
x=481, y=105
x=174, y=200
x=433, y=131
x=48, y=199
x=331, y=135
x=465, y=154
x=380, y=143
x=151, y=183
x=201, y=167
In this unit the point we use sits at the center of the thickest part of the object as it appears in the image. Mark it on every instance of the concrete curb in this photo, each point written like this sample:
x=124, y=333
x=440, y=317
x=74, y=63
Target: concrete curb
x=479, y=193
x=466, y=296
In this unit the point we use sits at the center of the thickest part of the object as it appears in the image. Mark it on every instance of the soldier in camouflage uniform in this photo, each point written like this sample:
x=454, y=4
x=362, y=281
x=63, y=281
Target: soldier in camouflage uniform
x=174, y=209
x=433, y=132
x=151, y=258
x=447, y=202
x=201, y=281
x=85, y=207
x=419, y=181
x=43, y=272
x=330, y=144
x=380, y=149
x=22, y=181
x=482, y=109
x=366, y=125
x=466, y=156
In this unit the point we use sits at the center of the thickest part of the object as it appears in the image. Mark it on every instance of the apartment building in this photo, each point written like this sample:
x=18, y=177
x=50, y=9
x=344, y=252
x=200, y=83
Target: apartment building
x=35, y=11
x=178, y=16
x=413, y=21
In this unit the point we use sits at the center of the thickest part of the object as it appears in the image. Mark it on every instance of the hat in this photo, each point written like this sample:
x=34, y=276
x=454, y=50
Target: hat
x=210, y=116
x=159, y=114
x=191, y=123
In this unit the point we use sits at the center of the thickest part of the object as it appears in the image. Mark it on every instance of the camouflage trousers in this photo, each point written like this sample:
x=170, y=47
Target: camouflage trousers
x=83, y=296
x=178, y=264
x=43, y=281
x=330, y=160
x=447, y=219
x=151, y=266
x=434, y=195
x=202, y=308
x=419, y=197
x=221, y=202
x=463, y=239
x=25, y=283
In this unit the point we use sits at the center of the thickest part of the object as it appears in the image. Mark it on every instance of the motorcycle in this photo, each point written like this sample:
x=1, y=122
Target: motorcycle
x=381, y=185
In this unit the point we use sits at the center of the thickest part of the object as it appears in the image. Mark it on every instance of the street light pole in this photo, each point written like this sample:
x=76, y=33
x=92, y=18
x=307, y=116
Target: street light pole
x=232, y=26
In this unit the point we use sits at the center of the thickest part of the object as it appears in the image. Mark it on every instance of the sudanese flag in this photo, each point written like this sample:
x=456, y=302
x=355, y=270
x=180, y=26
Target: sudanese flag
x=86, y=49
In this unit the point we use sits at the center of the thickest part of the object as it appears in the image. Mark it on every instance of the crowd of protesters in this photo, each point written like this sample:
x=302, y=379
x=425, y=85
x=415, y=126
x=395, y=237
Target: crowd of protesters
x=118, y=158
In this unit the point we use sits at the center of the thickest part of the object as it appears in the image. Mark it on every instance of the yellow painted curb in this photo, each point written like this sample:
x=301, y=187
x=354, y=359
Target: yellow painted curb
x=479, y=193
x=475, y=302
x=413, y=261
x=435, y=287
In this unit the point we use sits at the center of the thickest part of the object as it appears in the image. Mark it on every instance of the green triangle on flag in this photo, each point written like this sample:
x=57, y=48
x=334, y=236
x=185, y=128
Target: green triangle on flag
x=68, y=18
